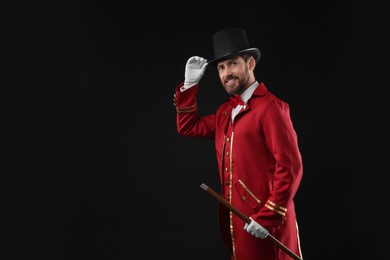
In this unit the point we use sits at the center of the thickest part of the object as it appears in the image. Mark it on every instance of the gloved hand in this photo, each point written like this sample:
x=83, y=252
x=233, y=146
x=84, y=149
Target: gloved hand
x=256, y=229
x=195, y=68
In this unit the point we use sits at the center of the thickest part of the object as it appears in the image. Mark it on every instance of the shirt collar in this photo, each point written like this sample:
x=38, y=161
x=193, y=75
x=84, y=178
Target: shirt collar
x=248, y=92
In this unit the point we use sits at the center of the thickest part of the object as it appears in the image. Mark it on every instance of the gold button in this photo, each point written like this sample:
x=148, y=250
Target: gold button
x=243, y=197
x=227, y=153
x=226, y=169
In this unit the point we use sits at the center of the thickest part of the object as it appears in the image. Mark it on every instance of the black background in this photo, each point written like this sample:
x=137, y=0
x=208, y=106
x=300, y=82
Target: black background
x=108, y=175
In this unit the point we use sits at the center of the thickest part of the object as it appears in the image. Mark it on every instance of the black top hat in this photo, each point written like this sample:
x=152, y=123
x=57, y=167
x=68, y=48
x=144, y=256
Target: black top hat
x=230, y=42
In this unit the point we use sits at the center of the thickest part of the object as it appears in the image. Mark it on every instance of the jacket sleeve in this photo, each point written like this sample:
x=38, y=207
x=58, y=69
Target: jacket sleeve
x=188, y=121
x=282, y=142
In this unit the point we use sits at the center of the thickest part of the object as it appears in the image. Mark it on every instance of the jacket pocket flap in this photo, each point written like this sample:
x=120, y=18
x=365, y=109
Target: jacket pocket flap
x=246, y=195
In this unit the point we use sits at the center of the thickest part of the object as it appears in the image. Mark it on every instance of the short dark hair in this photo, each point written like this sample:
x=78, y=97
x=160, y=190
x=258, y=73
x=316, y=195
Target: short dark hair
x=246, y=56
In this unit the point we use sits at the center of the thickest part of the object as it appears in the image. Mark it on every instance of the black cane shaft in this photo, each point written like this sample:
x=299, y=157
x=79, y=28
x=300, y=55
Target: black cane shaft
x=246, y=219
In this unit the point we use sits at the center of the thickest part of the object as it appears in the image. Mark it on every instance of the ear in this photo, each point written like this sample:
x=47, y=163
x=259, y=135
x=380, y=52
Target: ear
x=251, y=63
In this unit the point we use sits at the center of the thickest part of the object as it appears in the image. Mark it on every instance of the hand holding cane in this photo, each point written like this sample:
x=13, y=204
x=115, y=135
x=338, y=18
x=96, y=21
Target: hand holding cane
x=247, y=219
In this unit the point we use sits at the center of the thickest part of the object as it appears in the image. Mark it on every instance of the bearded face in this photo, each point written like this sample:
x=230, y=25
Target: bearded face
x=235, y=75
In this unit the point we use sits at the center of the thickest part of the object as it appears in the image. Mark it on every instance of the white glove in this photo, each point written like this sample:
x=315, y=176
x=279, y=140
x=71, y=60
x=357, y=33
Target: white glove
x=256, y=229
x=195, y=68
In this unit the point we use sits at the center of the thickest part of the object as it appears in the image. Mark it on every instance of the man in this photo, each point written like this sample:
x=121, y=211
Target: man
x=260, y=165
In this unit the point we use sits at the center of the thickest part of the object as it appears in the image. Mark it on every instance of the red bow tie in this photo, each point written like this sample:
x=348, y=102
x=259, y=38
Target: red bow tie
x=236, y=100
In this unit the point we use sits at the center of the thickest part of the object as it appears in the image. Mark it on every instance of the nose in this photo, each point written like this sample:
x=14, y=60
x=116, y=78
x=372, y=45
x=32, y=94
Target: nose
x=225, y=73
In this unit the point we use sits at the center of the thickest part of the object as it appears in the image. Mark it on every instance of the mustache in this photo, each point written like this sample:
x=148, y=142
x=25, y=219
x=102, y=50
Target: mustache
x=229, y=78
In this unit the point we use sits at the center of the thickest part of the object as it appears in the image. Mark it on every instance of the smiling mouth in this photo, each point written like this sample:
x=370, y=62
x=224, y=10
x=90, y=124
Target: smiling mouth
x=230, y=80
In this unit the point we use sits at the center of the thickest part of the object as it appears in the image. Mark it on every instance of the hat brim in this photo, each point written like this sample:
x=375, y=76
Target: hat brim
x=253, y=51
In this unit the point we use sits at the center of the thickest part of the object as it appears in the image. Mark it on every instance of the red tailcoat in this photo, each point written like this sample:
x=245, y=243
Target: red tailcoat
x=260, y=169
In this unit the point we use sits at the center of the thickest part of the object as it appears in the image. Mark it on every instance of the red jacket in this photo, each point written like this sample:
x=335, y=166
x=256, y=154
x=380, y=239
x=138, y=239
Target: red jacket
x=260, y=168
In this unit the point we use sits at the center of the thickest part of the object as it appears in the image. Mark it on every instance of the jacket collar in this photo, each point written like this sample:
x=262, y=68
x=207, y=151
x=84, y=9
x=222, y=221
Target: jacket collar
x=261, y=90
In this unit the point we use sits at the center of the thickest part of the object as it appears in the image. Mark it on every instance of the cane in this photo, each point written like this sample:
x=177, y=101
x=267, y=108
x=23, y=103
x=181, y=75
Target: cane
x=246, y=219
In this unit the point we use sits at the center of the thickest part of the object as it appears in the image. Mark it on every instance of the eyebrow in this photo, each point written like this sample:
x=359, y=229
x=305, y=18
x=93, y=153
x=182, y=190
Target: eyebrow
x=232, y=59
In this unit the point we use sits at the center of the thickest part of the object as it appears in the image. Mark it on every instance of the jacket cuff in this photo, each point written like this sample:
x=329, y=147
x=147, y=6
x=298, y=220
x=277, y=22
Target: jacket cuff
x=185, y=102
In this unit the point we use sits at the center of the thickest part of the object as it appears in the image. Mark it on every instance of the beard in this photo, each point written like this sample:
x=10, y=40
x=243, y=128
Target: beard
x=238, y=86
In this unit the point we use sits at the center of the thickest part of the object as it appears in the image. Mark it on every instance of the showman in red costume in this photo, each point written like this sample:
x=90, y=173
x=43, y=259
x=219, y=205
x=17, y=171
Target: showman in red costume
x=260, y=164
